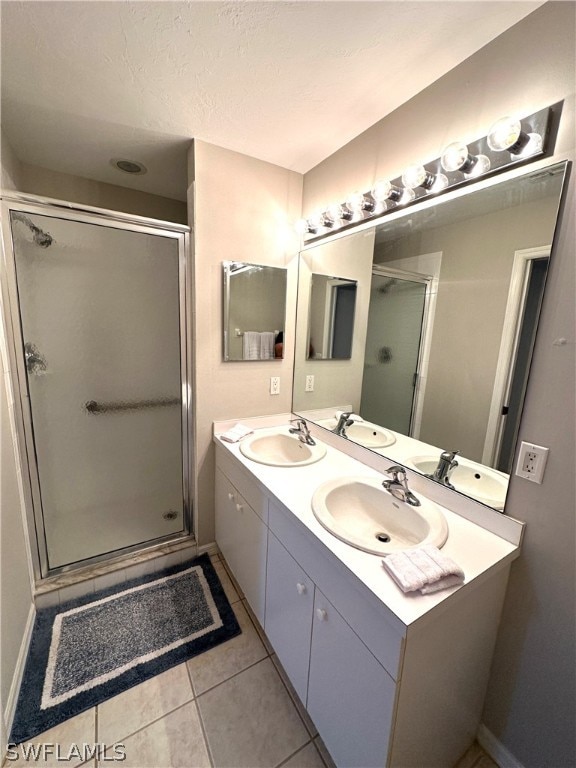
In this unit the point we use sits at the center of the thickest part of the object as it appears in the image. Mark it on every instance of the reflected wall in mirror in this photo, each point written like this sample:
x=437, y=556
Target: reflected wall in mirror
x=254, y=303
x=442, y=349
x=331, y=317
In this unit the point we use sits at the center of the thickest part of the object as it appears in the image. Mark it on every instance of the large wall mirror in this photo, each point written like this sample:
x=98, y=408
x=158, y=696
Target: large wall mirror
x=447, y=305
x=254, y=304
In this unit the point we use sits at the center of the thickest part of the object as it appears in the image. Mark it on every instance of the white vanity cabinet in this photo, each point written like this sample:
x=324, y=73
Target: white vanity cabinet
x=382, y=693
x=289, y=609
x=350, y=694
x=242, y=535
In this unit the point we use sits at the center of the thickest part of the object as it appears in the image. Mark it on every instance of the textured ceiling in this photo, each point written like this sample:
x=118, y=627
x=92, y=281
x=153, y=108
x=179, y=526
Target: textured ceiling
x=287, y=82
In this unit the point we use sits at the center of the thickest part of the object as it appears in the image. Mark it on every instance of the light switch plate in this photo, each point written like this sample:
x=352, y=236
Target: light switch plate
x=532, y=461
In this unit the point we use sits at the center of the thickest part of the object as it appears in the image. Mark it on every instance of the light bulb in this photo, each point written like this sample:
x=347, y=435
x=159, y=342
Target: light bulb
x=534, y=145
x=305, y=227
x=507, y=134
x=417, y=176
x=482, y=165
x=440, y=183
x=384, y=190
x=408, y=195
x=359, y=202
x=337, y=211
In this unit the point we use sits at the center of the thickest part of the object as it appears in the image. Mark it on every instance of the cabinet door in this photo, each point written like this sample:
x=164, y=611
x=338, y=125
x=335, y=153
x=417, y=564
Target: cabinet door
x=242, y=538
x=350, y=694
x=289, y=606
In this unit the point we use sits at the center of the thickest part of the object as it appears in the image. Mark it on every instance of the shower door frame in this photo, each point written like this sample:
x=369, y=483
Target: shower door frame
x=32, y=204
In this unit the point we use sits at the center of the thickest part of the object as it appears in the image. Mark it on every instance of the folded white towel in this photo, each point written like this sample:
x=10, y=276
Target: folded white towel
x=266, y=345
x=424, y=568
x=251, y=345
x=235, y=434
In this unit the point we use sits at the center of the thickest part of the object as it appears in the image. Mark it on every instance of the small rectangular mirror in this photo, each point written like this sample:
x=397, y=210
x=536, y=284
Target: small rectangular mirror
x=331, y=317
x=254, y=305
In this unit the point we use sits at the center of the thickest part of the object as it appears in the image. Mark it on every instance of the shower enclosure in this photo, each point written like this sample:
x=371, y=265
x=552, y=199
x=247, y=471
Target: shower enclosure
x=95, y=310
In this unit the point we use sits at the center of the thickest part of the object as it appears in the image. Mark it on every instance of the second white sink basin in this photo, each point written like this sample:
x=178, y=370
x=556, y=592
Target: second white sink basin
x=360, y=512
x=481, y=483
x=279, y=448
x=364, y=433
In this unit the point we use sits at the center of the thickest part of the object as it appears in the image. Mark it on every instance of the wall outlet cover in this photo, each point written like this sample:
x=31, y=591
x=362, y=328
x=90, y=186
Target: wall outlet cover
x=274, y=385
x=531, y=461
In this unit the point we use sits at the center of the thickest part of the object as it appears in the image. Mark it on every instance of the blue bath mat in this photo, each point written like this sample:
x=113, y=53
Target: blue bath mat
x=95, y=647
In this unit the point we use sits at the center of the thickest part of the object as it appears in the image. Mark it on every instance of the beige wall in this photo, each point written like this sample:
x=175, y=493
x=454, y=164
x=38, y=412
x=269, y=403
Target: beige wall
x=530, y=707
x=75, y=189
x=242, y=209
x=11, y=167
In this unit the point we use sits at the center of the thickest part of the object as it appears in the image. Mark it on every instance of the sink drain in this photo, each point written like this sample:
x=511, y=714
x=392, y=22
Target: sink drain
x=383, y=537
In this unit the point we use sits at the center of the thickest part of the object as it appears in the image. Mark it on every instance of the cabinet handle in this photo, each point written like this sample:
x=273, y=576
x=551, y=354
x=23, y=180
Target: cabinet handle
x=301, y=588
x=321, y=614
x=231, y=496
x=239, y=507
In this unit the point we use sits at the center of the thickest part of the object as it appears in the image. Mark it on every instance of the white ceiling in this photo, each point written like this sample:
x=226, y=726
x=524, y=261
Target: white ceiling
x=287, y=82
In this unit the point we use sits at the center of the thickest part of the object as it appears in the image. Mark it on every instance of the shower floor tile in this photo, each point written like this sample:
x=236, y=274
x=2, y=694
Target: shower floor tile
x=227, y=707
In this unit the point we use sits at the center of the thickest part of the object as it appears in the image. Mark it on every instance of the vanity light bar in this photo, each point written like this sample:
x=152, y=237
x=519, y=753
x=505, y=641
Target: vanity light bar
x=510, y=141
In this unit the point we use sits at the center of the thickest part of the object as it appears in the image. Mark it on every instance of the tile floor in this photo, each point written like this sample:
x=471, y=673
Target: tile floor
x=230, y=707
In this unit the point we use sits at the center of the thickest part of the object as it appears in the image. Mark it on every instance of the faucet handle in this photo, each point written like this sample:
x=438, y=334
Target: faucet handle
x=448, y=455
x=398, y=473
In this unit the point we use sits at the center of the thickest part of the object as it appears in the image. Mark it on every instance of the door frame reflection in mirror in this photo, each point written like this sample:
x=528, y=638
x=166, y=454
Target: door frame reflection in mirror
x=254, y=316
x=323, y=312
x=510, y=191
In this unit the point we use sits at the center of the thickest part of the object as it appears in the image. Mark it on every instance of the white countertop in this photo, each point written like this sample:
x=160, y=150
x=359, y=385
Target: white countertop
x=474, y=548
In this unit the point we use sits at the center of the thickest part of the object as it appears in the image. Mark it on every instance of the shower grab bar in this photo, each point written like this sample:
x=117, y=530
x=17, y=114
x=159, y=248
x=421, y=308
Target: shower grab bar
x=93, y=407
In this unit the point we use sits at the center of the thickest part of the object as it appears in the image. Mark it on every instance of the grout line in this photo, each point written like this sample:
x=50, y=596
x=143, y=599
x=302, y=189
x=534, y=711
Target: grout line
x=153, y=722
x=293, y=754
x=204, y=734
x=222, y=682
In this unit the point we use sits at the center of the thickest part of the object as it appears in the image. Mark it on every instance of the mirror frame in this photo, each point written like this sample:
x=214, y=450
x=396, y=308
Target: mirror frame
x=226, y=274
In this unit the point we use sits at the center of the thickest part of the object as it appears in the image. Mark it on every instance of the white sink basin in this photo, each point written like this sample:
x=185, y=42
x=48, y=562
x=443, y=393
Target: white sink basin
x=360, y=512
x=364, y=433
x=481, y=483
x=279, y=448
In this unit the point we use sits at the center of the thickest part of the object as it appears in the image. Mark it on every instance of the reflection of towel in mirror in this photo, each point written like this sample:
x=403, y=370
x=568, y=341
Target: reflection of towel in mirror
x=266, y=345
x=251, y=345
x=424, y=568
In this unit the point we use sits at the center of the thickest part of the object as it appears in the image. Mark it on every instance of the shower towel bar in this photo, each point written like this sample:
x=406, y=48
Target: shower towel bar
x=93, y=407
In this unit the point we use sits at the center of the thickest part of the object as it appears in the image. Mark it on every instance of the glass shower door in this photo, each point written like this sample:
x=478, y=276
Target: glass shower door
x=100, y=321
x=395, y=318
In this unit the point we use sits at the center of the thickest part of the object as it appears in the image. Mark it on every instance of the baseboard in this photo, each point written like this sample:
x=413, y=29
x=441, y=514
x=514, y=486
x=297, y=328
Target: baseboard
x=211, y=549
x=12, y=699
x=497, y=751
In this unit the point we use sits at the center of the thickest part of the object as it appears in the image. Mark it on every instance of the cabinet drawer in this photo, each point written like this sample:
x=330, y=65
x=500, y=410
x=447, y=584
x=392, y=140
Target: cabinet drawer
x=243, y=482
x=362, y=610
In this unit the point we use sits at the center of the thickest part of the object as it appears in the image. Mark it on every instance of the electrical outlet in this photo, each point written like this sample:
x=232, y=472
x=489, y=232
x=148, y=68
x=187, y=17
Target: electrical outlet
x=274, y=385
x=309, y=383
x=531, y=462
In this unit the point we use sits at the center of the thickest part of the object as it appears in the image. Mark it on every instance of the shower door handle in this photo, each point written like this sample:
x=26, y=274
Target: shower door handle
x=94, y=407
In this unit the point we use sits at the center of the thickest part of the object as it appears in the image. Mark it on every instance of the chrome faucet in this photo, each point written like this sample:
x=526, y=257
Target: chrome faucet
x=343, y=422
x=301, y=429
x=444, y=469
x=397, y=485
